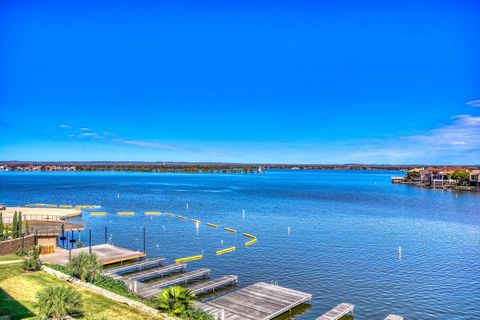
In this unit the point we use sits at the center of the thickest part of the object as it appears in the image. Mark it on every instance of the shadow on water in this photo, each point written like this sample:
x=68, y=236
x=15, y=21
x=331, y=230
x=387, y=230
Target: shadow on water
x=12, y=308
x=302, y=309
x=295, y=312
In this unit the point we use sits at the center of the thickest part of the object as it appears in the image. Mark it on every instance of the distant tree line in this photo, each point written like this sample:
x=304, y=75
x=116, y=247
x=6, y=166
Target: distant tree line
x=167, y=168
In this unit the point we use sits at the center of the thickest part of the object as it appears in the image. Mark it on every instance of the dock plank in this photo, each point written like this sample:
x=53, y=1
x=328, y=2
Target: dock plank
x=211, y=285
x=337, y=312
x=150, y=289
x=136, y=266
x=106, y=253
x=260, y=301
x=152, y=273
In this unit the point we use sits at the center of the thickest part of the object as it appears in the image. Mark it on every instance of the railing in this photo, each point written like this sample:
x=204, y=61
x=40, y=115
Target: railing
x=34, y=217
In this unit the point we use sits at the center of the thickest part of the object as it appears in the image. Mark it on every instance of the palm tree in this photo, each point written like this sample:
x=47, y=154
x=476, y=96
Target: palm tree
x=85, y=266
x=175, y=300
x=57, y=302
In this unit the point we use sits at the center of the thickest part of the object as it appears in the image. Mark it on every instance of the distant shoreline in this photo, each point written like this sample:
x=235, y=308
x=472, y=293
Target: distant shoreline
x=183, y=167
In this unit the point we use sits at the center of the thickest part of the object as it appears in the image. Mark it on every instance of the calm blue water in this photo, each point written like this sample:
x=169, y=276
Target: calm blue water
x=345, y=231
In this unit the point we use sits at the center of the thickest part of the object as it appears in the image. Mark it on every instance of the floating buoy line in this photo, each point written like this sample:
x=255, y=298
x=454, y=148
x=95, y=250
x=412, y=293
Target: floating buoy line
x=252, y=238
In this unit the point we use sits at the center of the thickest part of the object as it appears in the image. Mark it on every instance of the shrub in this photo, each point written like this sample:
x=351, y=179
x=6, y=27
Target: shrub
x=33, y=262
x=196, y=314
x=85, y=266
x=116, y=286
x=175, y=300
x=57, y=302
x=22, y=252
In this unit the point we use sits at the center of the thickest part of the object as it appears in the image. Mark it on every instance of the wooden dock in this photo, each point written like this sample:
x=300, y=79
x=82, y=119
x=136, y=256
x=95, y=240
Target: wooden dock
x=339, y=311
x=212, y=285
x=152, y=273
x=147, y=290
x=106, y=253
x=393, y=317
x=260, y=301
x=135, y=266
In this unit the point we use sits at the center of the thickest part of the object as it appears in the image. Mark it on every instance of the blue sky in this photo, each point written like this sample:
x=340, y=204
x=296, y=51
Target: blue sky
x=240, y=81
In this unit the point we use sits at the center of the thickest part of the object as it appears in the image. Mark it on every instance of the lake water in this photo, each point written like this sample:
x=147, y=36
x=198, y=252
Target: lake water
x=346, y=227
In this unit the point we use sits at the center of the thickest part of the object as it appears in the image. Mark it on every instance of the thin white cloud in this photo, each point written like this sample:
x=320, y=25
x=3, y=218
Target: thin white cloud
x=85, y=129
x=147, y=144
x=89, y=135
x=456, y=142
x=64, y=126
x=474, y=103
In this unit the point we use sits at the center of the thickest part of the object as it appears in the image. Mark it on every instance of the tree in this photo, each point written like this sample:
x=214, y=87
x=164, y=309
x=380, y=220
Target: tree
x=14, y=225
x=57, y=302
x=461, y=176
x=27, y=227
x=2, y=227
x=33, y=261
x=85, y=266
x=175, y=300
x=19, y=225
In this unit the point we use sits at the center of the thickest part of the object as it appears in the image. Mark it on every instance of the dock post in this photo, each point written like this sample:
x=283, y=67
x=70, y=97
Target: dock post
x=106, y=234
x=144, y=241
x=135, y=286
x=90, y=241
x=222, y=314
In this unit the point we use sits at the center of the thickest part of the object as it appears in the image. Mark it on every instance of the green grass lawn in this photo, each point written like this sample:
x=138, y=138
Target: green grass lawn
x=18, y=290
x=10, y=257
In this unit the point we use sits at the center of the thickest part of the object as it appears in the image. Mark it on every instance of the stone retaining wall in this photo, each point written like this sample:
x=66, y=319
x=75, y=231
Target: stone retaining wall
x=115, y=297
x=12, y=246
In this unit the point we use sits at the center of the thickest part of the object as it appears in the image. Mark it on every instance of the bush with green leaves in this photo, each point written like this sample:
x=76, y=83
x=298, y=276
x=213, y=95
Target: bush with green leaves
x=57, y=302
x=33, y=261
x=175, y=300
x=196, y=314
x=22, y=252
x=85, y=266
x=116, y=286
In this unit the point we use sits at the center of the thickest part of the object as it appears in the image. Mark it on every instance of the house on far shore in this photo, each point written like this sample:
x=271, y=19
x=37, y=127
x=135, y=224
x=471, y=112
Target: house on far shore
x=440, y=177
x=475, y=179
x=419, y=176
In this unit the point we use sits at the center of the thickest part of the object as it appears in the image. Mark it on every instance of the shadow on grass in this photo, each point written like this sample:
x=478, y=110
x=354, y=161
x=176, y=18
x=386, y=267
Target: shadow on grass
x=13, y=308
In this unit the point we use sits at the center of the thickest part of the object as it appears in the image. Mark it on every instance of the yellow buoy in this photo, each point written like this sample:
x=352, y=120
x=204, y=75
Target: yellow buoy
x=220, y=252
x=170, y=214
x=230, y=230
x=182, y=217
x=248, y=235
x=125, y=213
x=212, y=225
x=98, y=213
x=152, y=213
x=249, y=243
x=192, y=258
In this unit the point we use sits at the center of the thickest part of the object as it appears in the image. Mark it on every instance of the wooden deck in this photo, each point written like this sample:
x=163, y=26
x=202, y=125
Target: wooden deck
x=136, y=266
x=339, y=311
x=147, y=290
x=393, y=317
x=260, y=301
x=212, y=285
x=106, y=253
x=152, y=273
